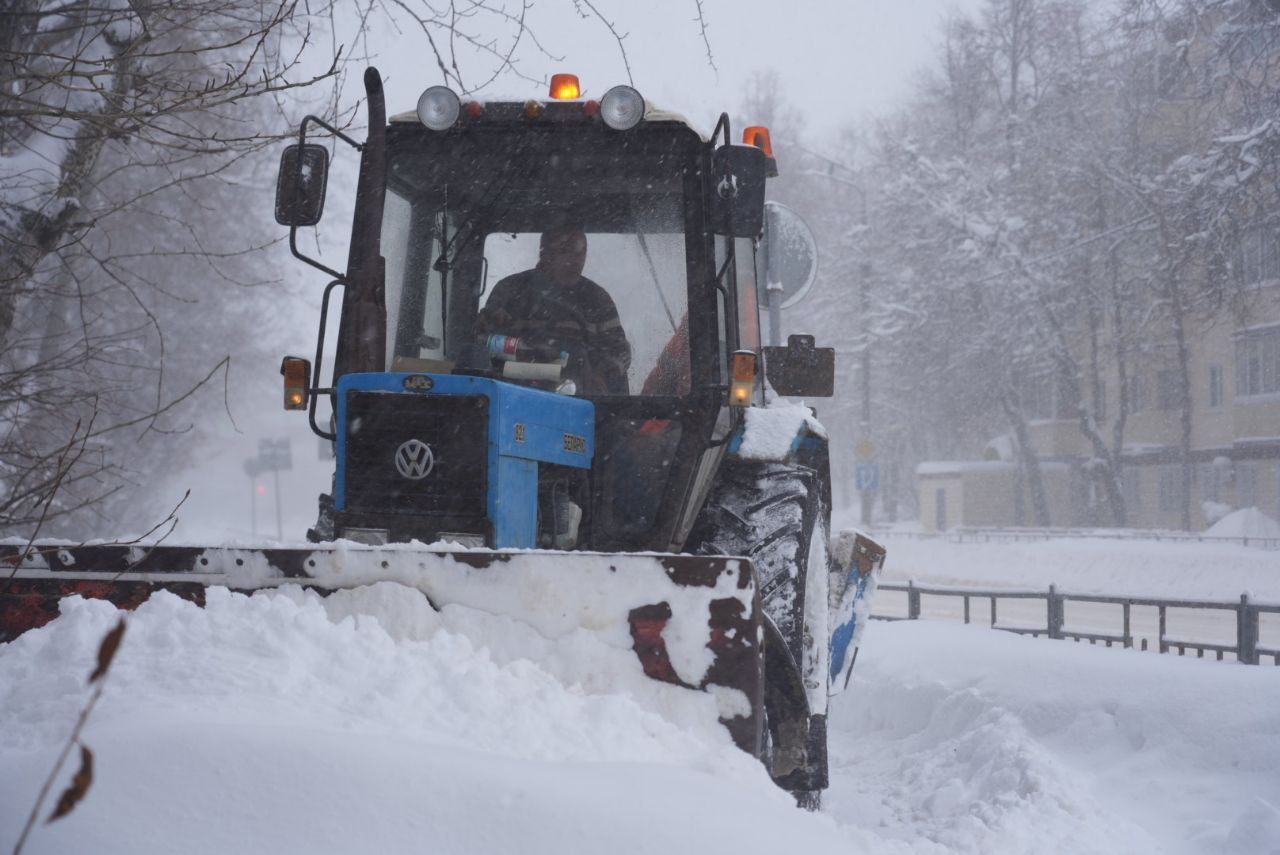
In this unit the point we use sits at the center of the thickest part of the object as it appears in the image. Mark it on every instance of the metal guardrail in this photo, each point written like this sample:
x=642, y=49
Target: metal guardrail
x=1031, y=535
x=1247, y=648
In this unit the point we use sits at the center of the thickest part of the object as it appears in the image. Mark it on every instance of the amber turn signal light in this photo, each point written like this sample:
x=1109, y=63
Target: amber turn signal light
x=742, y=377
x=296, y=372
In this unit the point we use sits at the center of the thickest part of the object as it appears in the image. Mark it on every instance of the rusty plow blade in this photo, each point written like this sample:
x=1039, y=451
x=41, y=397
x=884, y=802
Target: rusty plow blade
x=693, y=621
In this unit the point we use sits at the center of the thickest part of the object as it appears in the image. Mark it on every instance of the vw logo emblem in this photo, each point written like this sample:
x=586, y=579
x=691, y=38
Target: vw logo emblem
x=414, y=460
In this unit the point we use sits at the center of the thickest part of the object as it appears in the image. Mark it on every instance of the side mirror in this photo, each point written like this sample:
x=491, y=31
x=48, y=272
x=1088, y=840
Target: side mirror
x=800, y=369
x=300, y=186
x=737, y=200
x=790, y=253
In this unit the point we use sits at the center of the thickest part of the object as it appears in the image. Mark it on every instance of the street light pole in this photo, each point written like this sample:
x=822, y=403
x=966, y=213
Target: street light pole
x=867, y=498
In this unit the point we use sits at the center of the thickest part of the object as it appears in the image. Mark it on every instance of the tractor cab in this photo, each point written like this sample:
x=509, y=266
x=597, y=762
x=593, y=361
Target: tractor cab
x=655, y=344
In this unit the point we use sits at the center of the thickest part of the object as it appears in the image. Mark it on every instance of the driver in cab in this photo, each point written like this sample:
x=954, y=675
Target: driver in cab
x=553, y=308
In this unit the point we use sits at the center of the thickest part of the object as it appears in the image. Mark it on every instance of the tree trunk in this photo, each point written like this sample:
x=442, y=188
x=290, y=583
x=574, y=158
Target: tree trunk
x=1027, y=460
x=1178, y=312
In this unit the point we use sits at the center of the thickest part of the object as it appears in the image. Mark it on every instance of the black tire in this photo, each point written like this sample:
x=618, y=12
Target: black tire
x=772, y=513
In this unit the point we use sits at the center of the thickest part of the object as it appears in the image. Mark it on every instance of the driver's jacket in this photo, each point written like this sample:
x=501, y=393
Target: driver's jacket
x=580, y=319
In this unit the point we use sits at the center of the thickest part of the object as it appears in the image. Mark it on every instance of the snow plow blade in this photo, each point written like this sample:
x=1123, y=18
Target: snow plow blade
x=693, y=621
x=856, y=562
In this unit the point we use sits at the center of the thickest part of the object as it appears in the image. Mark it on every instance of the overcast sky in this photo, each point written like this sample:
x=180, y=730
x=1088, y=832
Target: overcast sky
x=838, y=60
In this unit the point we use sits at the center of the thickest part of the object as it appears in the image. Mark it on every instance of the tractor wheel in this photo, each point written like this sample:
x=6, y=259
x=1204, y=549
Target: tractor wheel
x=775, y=514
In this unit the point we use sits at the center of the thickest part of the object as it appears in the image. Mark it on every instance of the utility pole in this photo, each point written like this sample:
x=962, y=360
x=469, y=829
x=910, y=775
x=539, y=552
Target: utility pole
x=869, y=475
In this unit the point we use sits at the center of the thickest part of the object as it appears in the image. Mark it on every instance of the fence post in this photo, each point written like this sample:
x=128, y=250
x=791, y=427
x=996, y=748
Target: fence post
x=913, y=600
x=1056, y=612
x=1246, y=632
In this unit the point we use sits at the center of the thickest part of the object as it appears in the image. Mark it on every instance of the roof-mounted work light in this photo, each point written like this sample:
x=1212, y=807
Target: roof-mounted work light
x=438, y=108
x=622, y=108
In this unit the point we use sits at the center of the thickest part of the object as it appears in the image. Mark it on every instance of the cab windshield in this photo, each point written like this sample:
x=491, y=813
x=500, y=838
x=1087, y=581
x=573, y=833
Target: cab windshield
x=465, y=226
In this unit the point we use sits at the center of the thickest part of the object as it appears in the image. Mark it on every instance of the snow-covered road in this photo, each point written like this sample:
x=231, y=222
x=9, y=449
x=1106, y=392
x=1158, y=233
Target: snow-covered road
x=368, y=722
x=984, y=741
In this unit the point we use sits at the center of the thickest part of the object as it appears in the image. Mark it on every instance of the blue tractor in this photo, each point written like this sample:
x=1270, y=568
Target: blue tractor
x=450, y=428
x=634, y=436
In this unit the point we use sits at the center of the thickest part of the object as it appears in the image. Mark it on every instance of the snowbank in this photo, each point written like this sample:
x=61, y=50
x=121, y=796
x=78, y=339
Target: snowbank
x=367, y=722
x=985, y=741
x=1246, y=522
x=284, y=722
x=1084, y=565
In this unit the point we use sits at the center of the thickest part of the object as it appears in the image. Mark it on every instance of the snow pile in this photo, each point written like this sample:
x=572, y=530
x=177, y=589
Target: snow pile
x=284, y=722
x=1246, y=522
x=368, y=722
x=985, y=741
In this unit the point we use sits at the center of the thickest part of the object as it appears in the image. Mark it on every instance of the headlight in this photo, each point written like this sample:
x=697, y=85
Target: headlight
x=438, y=108
x=622, y=108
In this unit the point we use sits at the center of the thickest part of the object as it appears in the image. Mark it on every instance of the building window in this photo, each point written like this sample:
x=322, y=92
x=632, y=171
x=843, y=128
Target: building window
x=1258, y=362
x=1215, y=386
x=1211, y=482
x=1170, y=487
x=1246, y=485
x=1257, y=255
x=1168, y=389
x=1135, y=394
x=1131, y=484
x=1037, y=399
x=1208, y=484
x=1047, y=396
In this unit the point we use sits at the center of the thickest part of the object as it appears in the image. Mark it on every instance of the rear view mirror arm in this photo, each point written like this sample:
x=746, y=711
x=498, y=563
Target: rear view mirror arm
x=293, y=230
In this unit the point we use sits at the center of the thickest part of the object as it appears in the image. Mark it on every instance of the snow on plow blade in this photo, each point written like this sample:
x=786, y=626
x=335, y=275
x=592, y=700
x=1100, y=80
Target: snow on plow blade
x=691, y=620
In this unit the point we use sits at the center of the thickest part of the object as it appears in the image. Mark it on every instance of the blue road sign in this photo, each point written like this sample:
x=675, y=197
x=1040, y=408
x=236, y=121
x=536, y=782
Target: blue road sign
x=867, y=477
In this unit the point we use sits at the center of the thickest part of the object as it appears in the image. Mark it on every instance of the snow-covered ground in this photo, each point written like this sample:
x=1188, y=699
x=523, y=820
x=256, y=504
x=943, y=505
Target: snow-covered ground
x=368, y=722
x=1091, y=565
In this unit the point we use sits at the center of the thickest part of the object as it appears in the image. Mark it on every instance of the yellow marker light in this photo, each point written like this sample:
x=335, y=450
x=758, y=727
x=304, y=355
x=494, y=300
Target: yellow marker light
x=742, y=374
x=296, y=372
x=533, y=109
x=564, y=87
